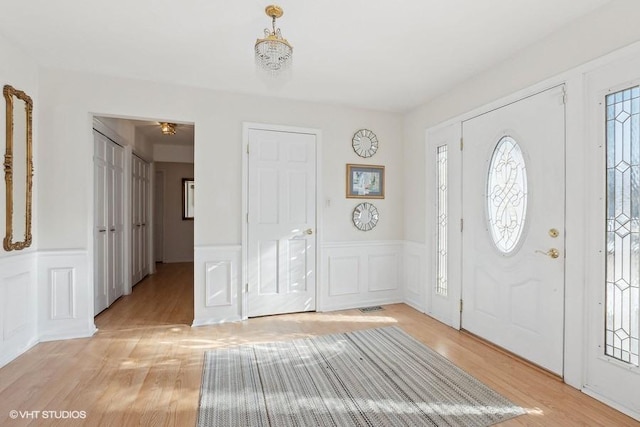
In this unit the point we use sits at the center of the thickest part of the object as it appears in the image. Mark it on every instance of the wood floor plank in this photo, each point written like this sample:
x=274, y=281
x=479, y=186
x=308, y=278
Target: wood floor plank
x=144, y=365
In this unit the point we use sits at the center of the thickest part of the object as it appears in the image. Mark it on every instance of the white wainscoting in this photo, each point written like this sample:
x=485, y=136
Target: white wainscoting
x=360, y=274
x=414, y=275
x=65, y=295
x=18, y=305
x=217, y=284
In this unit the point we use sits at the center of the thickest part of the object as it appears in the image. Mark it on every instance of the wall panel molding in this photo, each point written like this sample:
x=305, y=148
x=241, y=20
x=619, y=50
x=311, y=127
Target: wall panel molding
x=217, y=288
x=18, y=304
x=65, y=295
x=359, y=274
x=63, y=298
x=219, y=283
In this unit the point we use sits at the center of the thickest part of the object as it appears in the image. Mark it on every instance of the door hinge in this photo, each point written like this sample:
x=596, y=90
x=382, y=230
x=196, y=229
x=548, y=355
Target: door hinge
x=461, y=144
x=247, y=148
x=461, y=224
x=564, y=96
x=460, y=305
x=247, y=217
x=246, y=288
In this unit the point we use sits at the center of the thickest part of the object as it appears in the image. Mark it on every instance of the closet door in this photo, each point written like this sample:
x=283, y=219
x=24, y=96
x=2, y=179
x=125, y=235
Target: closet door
x=136, y=264
x=144, y=217
x=100, y=222
x=108, y=222
x=140, y=218
x=116, y=221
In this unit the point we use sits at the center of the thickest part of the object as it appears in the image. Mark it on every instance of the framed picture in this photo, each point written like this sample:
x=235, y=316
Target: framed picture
x=188, y=192
x=365, y=182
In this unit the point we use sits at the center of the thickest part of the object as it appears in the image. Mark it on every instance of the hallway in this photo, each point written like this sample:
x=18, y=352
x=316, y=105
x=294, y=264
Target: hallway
x=163, y=298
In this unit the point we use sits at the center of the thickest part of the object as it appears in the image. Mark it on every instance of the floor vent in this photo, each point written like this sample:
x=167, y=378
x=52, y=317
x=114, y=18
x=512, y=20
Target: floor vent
x=372, y=308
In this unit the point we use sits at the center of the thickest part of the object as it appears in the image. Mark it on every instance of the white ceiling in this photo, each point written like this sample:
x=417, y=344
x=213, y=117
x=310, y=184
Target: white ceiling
x=375, y=54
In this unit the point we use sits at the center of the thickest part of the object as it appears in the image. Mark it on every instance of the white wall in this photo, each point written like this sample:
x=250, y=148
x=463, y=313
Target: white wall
x=18, y=278
x=172, y=153
x=69, y=100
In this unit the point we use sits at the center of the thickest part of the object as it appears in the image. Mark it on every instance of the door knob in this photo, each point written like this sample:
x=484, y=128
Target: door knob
x=553, y=253
x=309, y=231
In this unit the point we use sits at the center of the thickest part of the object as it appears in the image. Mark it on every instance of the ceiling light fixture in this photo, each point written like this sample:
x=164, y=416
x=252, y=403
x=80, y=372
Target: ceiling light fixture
x=273, y=52
x=168, y=128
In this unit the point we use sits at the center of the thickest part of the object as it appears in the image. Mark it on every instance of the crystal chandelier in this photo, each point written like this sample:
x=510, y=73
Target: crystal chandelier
x=168, y=128
x=273, y=52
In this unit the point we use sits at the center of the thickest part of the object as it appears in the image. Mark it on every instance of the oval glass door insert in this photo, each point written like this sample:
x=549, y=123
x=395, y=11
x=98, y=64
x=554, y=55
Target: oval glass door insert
x=507, y=195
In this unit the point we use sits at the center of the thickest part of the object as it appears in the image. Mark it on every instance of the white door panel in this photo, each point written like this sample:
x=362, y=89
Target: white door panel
x=281, y=229
x=512, y=289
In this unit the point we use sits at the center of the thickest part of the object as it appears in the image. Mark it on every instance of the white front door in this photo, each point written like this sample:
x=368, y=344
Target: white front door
x=613, y=279
x=281, y=222
x=513, y=228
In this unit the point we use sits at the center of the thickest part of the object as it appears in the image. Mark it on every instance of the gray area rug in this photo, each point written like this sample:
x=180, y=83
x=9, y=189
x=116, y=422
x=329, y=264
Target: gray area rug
x=374, y=377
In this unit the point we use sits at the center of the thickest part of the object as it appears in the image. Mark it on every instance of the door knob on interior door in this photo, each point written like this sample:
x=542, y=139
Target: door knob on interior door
x=309, y=231
x=553, y=253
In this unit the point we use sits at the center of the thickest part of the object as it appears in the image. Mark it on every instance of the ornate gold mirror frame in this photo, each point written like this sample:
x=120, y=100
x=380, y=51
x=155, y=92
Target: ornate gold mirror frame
x=18, y=169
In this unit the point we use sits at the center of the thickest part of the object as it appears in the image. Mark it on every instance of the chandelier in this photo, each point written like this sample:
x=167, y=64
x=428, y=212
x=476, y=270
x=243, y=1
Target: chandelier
x=168, y=128
x=273, y=52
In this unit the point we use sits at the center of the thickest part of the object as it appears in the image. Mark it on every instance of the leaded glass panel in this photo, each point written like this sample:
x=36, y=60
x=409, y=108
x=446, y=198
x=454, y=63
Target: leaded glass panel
x=507, y=195
x=622, y=319
x=443, y=218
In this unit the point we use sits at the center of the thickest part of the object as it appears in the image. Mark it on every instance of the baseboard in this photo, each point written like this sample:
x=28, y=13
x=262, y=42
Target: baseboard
x=359, y=304
x=68, y=335
x=7, y=358
x=615, y=405
x=214, y=321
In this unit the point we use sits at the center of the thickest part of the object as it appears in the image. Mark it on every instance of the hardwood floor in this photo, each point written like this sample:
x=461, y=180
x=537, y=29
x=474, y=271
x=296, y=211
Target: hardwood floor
x=143, y=366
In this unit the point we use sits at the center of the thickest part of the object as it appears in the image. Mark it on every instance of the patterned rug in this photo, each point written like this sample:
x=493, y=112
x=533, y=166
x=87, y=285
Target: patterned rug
x=374, y=377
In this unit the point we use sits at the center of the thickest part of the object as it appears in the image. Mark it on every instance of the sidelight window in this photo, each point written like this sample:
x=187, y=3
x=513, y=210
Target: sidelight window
x=622, y=319
x=443, y=218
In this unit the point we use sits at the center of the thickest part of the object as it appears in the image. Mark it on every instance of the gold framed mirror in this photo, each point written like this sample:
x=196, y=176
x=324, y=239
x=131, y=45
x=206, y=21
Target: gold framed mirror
x=18, y=169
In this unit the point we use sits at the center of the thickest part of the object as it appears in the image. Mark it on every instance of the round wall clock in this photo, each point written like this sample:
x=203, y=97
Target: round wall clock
x=365, y=216
x=365, y=143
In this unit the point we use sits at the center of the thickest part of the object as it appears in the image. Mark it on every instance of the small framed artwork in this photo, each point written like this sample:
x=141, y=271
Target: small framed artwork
x=365, y=182
x=188, y=193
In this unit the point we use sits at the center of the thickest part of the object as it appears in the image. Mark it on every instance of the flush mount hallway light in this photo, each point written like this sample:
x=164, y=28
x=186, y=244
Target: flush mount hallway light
x=273, y=52
x=168, y=128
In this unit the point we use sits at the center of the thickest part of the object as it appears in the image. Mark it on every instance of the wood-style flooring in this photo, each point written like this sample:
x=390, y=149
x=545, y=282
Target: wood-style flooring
x=143, y=366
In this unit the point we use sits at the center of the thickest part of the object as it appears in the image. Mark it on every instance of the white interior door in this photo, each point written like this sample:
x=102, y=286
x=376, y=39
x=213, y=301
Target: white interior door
x=140, y=182
x=158, y=217
x=116, y=221
x=100, y=222
x=108, y=222
x=281, y=222
x=513, y=233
